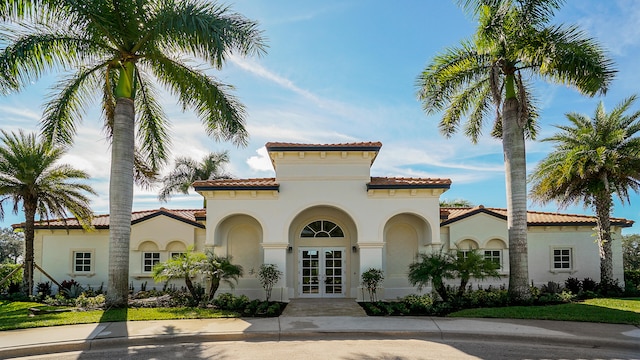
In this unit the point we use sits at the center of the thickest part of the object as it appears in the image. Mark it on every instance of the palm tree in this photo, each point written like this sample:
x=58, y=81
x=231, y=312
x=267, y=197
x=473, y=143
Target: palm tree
x=187, y=170
x=488, y=75
x=30, y=176
x=593, y=159
x=184, y=266
x=125, y=48
x=220, y=269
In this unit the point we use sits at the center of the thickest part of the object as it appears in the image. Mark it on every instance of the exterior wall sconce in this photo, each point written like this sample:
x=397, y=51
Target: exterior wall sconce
x=354, y=249
x=290, y=249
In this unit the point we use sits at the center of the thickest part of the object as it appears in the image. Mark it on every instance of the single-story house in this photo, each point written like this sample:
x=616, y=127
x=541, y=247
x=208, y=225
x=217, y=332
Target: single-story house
x=324, y=220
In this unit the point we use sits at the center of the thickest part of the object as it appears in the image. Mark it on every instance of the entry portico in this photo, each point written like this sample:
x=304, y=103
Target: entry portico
x=323, y=220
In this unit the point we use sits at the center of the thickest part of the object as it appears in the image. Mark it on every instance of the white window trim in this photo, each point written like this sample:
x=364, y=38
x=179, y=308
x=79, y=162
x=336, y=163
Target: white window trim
x=501, y=263
x=143, y=259
x=572, y=260
x=92, y=264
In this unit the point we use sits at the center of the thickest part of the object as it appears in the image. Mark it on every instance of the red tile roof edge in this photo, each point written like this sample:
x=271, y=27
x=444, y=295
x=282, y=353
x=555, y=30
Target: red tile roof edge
x=102, y=221
x=288, y=146
x=579, y=219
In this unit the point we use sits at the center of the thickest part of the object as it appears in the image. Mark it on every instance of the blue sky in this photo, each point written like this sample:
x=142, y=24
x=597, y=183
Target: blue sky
x=344, y=71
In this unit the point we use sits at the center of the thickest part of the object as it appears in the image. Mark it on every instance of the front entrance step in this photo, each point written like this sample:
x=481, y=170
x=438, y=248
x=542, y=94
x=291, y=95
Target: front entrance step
x=323, y=307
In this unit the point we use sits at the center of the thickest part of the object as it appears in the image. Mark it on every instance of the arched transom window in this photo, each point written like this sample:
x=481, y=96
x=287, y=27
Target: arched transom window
x=322, y=228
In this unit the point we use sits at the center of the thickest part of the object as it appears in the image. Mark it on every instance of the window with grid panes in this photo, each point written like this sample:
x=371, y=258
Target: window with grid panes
x=149, y=259
x=495, y=256
x=82, y=261
x=562, y=259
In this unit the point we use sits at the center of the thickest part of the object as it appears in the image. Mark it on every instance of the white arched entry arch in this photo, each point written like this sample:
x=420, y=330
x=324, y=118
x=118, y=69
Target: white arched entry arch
x=322, y=239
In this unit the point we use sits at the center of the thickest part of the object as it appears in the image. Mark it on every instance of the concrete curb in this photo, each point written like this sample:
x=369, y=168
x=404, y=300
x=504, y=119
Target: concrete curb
x=304, y=334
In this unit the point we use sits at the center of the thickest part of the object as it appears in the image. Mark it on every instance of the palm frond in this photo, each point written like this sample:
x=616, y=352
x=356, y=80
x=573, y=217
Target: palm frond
x=153, y=138
x=205, y=30
x=565, y=55
x=66, y=108
x=221, y=113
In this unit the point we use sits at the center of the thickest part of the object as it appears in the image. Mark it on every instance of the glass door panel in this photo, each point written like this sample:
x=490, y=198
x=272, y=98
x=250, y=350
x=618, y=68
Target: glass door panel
x=322, y=272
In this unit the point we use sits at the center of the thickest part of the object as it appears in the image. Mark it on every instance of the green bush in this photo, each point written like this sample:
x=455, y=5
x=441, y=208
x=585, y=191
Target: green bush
x=242, y=305
x=632, y=277
x=94, y=302
x=574, y=285
x=12, y=283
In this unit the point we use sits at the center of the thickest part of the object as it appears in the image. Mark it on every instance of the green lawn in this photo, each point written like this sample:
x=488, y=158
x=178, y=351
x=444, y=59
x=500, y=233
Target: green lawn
x=15, y=315
x=614, y=311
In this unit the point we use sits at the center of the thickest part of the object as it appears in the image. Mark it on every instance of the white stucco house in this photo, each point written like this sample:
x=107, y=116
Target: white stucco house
x=324, y=220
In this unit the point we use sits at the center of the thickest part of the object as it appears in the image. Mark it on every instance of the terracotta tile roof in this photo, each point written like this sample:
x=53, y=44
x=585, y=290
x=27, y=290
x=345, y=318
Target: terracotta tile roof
x=102, y=221
x=408, y=183
x=534, y=218
x=284, y=146
x=237, y=184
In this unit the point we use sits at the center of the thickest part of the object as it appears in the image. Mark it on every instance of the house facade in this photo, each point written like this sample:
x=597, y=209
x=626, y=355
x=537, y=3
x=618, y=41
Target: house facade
x=324, y=220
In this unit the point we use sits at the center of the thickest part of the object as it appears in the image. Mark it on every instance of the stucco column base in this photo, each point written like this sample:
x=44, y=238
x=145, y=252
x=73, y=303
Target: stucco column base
x=276, y=253
x=371, y=257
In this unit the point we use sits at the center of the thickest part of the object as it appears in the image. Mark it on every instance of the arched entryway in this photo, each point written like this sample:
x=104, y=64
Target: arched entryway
x=323, y=241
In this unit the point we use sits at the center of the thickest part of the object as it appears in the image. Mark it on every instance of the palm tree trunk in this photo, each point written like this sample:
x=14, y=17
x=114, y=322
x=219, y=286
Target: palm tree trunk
x=120, y=202
x=516, y=184
x=215, y=284
x=29, y=231
x=603, y=206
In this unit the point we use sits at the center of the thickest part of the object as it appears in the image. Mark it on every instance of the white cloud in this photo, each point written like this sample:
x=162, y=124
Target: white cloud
x=261, y=162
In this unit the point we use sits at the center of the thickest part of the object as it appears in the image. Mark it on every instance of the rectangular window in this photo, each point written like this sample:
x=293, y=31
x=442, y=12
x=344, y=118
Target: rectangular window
x=176, y=255
x=494, y=256
x=149, y=259
x=562, y=259
x=82, y=261
x=464, y=253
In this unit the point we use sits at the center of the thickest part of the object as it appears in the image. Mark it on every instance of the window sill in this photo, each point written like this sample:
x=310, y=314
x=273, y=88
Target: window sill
x=142, y=276
x=73, y=275
x=568, y=271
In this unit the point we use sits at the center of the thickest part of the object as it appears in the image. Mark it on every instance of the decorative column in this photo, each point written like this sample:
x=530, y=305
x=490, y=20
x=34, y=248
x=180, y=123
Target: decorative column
x=371, y=256
x=276, y=253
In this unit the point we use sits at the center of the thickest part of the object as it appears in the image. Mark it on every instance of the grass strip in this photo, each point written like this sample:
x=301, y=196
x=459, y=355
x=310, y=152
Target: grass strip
x=15, y=315
x=607, y=310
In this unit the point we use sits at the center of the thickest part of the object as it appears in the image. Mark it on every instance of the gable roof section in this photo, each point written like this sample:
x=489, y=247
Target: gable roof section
x=408, y=183
x=237, y=184
x=534, y=218
x=187, y=216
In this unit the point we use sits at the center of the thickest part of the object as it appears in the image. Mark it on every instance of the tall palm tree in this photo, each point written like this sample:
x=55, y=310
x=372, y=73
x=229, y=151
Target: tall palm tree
x=31, y=177
x=593, y=159
x=488, y=75
x=187, y=170
x=122, y=50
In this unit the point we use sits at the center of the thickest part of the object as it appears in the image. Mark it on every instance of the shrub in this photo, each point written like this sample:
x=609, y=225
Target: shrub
x=573, y=284
x=551, y=288
x=43, y=289
x=371, y=281
x=14, y=281
x=268, y=274
x=86, y=302
x=632, y=278
x=589, y=284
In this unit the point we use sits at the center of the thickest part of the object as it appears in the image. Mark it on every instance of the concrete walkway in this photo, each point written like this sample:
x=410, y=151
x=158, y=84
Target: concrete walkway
x=108, y=335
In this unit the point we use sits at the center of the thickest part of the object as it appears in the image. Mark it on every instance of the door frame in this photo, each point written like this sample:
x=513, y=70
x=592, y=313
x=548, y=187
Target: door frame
x=322, y=269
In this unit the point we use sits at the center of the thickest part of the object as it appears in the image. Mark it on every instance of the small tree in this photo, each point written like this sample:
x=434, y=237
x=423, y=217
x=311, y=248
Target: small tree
x=371, y=280
x=185, y=267
x=434, y=268
x=220, y=269
x=470, y=264
x=268, y=276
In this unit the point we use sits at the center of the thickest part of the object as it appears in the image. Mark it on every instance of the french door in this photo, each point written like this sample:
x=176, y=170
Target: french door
x=321, y=272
